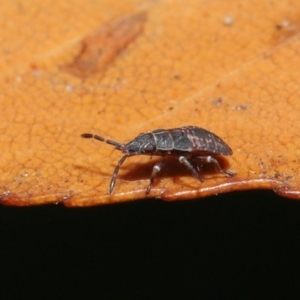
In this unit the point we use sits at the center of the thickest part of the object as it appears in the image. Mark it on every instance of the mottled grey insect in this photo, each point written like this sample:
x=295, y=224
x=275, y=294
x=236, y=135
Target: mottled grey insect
x=186, y=143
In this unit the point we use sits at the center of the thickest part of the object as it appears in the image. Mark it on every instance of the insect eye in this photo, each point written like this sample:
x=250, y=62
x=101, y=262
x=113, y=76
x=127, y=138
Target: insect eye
x=149, y=148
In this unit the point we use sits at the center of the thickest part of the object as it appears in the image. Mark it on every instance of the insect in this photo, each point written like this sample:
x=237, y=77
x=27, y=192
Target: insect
x=185, y=143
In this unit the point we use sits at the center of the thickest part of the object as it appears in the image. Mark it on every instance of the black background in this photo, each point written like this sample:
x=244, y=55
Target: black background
x=243, y=245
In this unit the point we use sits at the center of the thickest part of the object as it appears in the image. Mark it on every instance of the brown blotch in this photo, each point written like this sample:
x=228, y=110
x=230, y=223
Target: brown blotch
x=103, y=46
x=285, y=29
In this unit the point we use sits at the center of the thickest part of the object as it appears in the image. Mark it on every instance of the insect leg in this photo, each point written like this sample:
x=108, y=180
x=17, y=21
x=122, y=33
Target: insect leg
x=185, y=161
x=199, y=168
x=115, y=174
x=210, y=159
x=155, y=170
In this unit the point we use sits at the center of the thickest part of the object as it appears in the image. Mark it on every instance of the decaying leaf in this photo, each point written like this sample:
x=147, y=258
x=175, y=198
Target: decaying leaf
x=119, y=70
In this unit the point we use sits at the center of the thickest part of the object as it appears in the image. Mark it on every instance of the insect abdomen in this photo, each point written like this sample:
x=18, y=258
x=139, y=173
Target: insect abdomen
x=190, y=139
x=206, y=141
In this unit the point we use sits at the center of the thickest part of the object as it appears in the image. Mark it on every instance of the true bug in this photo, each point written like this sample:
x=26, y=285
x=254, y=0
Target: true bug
x=186, y=143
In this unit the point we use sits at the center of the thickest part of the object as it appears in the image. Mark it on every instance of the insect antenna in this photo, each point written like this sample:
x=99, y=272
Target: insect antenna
x=119, y=146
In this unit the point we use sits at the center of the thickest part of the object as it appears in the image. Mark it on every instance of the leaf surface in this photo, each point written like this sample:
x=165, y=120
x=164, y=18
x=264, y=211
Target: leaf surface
x=120, y=69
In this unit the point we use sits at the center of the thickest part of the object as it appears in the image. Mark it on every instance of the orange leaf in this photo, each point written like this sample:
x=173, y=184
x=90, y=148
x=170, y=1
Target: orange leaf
x=119, y=70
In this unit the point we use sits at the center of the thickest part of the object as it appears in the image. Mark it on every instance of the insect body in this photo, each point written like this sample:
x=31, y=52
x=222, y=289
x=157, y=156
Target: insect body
x=185, y=143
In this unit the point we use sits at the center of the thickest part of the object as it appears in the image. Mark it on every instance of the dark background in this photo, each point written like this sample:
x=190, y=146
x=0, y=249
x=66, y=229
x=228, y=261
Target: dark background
x=243, y=245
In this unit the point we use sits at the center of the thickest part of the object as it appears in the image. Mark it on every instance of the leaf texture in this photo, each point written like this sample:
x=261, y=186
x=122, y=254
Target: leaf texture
x=119, y=70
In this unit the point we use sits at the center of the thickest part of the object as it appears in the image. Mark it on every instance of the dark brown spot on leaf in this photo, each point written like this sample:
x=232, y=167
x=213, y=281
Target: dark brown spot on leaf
x=104, y=45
